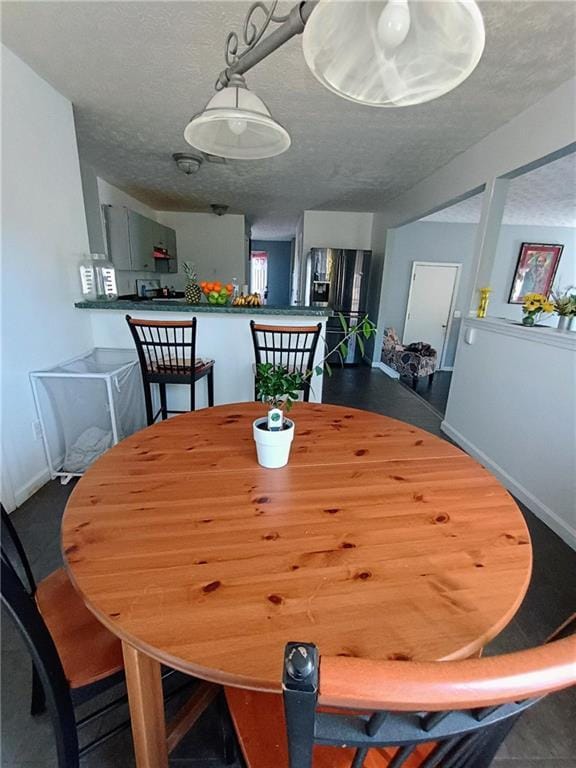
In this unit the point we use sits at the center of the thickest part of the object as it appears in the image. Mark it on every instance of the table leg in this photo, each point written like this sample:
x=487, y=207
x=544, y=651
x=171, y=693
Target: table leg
x=144, y=684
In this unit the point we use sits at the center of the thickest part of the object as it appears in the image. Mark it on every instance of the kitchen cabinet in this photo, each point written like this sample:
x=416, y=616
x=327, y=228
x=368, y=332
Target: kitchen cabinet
x=132, y=238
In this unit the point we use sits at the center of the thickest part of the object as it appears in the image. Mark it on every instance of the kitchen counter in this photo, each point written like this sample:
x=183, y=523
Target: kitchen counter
x=179, y=305
x=222, y=334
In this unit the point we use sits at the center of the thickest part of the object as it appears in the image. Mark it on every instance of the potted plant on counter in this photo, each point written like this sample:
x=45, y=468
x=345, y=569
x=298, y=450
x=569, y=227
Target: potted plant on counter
x=278, y=387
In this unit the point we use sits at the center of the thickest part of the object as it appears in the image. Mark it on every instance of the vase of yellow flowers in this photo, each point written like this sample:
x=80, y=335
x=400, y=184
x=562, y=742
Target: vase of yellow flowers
x=533, y=306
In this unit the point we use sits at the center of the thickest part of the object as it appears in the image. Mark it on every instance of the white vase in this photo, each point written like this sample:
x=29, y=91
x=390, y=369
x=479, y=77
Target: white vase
x=273, y=448
x=563, y=321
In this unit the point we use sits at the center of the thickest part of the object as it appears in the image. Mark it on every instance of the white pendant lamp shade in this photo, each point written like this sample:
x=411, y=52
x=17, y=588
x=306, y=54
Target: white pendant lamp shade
x=237, y=124
x=393, y=53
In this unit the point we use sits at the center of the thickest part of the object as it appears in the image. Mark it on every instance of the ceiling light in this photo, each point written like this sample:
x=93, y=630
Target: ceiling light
x=237, y=124
x=395, y=53
x=187, y=162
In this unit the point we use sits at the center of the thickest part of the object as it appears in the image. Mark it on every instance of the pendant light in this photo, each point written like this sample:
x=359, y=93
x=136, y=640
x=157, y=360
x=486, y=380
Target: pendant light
x=393, y=53
x=237, y=124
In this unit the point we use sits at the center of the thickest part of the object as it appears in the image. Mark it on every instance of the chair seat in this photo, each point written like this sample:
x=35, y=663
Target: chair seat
x=87, y=650
x=261, y=729
x=182, y=368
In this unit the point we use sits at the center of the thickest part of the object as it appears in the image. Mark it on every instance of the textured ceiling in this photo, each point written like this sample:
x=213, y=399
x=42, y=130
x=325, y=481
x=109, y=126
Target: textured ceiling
x=543, y=197
x=136, y=72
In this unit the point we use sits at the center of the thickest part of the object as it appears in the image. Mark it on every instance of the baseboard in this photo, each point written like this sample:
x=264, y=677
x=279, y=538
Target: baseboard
x=23, y=493
x=534, y=504
x=386, y=369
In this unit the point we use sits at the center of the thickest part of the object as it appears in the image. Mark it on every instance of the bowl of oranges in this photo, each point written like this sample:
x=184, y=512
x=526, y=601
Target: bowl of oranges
x=217, y=293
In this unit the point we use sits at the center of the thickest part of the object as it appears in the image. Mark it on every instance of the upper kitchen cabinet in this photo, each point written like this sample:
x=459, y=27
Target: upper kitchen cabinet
x=137, y=243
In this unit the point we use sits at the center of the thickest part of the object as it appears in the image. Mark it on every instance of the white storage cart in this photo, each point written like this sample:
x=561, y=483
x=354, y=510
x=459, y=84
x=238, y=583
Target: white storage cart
x=86, y=405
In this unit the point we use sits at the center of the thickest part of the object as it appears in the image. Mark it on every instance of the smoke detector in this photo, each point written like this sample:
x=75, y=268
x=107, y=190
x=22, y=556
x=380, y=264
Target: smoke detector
x=219, y=210
x=188, y=162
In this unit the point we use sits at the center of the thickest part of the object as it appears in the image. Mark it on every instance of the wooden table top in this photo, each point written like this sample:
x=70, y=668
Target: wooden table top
x=378, y=540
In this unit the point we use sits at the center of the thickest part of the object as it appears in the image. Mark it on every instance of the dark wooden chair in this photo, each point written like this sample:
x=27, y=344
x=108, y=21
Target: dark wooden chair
x=293, y=347
x=167, y=355
x=357, y=713
x=75, y=658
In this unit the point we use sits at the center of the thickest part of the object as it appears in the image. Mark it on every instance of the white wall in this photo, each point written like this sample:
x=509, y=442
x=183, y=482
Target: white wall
x=331, y=229
x=552, y=123
x=552, y=126
x=215, y=244
x=43, y=238
x=509, y=243
x=426, y=241
x=111, y=195
x=512, y=406
x=336, y=229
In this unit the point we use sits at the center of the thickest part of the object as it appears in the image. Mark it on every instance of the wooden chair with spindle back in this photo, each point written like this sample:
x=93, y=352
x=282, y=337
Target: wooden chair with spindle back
x=394, y=714
x=292, y=347
x=167, y=355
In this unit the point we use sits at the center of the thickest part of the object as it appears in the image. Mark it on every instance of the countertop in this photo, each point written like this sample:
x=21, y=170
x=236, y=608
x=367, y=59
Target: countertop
x=179, y=305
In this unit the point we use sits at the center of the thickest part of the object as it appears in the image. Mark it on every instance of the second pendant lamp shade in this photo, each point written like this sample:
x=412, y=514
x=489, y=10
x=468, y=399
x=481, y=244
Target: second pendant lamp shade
x=393, y=53
x=237, y=124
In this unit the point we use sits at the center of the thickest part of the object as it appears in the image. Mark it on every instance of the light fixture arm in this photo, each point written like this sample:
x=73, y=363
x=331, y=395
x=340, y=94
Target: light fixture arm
x=259, y=47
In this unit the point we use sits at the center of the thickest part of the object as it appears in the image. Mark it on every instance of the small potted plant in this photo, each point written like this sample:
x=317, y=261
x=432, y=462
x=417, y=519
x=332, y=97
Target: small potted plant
x=564, y=306
x=279, y=387
x=534, y=306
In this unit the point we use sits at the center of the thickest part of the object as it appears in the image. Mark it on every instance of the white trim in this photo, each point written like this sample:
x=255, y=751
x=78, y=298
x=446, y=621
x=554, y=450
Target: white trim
x=455, y=288
x=446, y=368
x=552, y=337
x=23, y=493
x=540, y=509
x=386, y=369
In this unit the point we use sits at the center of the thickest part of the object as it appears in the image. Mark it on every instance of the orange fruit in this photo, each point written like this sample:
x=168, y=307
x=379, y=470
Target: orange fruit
x=229, y=287
x=217, y=286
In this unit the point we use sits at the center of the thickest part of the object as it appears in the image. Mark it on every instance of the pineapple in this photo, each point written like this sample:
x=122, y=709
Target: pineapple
x=192, y=292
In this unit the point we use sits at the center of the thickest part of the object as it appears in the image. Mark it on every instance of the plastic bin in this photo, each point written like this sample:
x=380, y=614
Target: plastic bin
x=86, y=405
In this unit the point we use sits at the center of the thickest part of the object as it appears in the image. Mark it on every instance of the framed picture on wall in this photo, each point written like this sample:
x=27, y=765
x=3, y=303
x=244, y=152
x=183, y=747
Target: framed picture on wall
x=535, y=270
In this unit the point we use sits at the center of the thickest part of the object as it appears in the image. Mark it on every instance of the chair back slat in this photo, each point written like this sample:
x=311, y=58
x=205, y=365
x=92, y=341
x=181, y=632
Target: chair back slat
x=462, y=736
x=164, y=348
x=293, y=347
x=14, y=552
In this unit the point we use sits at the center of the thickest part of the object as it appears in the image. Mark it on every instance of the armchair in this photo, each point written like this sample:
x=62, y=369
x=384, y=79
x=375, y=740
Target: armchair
x=415, y=360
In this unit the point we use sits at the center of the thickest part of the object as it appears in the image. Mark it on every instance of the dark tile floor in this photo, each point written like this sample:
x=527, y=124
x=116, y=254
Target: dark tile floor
x=435, y=394
x=544, y=738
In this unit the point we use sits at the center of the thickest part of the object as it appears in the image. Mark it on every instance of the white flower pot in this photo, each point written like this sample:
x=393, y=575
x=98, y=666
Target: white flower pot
x=563, y=322
x=273, y=448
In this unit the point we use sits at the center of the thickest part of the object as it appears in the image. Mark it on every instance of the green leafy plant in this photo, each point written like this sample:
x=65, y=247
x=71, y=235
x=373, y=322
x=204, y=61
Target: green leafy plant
x=278, y=387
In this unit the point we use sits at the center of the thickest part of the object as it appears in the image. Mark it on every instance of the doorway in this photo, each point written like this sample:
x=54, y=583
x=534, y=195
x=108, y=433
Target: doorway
x=433, y=290
x=278, y=257
x=259, y=273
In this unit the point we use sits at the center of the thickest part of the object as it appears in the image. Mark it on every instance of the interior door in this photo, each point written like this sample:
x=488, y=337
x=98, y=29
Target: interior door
x=432, y=292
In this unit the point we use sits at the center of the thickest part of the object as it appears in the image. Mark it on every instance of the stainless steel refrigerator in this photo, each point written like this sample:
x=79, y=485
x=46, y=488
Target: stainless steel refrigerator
x=339, y=280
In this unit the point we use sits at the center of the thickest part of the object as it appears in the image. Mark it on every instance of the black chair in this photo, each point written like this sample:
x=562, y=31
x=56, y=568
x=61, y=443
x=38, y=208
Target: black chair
x=395, y=714
x=292, y=347
x=75, y=658
x=167, y=355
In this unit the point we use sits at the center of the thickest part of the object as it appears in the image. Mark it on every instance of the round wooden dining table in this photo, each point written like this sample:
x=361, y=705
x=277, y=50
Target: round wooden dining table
x=378, y=540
